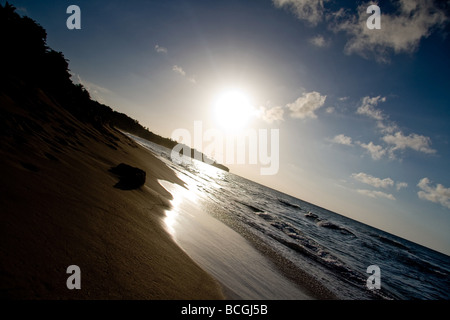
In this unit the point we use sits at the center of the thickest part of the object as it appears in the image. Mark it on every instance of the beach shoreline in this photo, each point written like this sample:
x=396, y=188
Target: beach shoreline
x=244, y=272
x=246, y=267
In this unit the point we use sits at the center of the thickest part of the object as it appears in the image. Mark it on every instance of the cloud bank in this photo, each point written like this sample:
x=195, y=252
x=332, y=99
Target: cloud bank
x=311, y=11
x=342, y=139
x=373, y=181
x=271, y=115
x=401, y=31
x=413, y=141
x=376, y=194
x=306, y=105
x=368, y=107
x=438, y=194
x=385, y=183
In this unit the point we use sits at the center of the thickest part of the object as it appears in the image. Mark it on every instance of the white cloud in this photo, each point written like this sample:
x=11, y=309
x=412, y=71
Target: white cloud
x=376, y=194
x=330, y=110
x=373, y=181
x=179, y=70
x=394, y=141
x=437, y=194
x=400, y=185
x=305, y=105
x=319, y=41
x=308, y=10
x=342, y=139
x=413, y=141
x=160, y=49
x=376, y=151
x=192, y=80
x=387, y=128
x=271, y=115
x=377, y=183
x=368, y=107
x=400, y=32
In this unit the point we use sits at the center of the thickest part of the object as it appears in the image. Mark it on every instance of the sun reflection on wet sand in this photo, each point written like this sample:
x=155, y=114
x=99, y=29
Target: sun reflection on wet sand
x=172, y=215
x=221, y=251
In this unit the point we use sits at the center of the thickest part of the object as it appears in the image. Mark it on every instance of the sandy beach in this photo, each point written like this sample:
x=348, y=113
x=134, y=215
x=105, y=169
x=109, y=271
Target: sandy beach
x=59, y=207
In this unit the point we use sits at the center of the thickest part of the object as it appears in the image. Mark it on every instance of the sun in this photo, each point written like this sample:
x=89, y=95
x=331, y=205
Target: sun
x=233, y=110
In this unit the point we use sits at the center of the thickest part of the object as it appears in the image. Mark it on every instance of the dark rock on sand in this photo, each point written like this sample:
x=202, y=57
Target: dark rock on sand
x=130, y=177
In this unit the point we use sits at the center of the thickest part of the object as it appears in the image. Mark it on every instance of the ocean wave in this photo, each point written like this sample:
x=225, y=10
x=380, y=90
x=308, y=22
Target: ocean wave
x=390, y=241
x=422, y=266
x=266, y=216
x=312, y=250
x=252, y=208
x=312, y=216
x=287, y=203
x=329, y=225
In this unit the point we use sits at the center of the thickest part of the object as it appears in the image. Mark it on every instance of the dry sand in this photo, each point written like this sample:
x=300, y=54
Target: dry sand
x=59, y=207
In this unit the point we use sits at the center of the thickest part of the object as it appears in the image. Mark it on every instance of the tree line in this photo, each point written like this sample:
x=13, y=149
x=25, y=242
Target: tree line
x=27, y=62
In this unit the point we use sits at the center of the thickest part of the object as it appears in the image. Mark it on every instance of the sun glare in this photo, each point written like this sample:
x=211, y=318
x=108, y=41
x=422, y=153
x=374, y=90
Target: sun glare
x=233, y=110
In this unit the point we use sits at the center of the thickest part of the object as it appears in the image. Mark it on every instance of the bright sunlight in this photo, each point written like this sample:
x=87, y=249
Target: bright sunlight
x=233, y=110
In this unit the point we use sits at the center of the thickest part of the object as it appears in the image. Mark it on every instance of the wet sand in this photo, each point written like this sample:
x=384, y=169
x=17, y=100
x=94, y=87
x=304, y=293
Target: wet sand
x=225, y=254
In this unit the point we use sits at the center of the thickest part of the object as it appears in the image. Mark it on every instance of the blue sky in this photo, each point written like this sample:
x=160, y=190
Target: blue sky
x=362, y=114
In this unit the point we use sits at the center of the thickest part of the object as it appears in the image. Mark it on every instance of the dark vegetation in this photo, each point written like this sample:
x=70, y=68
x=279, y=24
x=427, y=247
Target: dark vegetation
x=27, y=65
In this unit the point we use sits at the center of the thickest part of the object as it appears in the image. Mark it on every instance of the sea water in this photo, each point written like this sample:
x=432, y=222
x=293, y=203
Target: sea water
x=332, y=248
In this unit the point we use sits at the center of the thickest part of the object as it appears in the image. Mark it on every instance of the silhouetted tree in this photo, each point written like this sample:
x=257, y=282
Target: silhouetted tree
x=26, y=62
